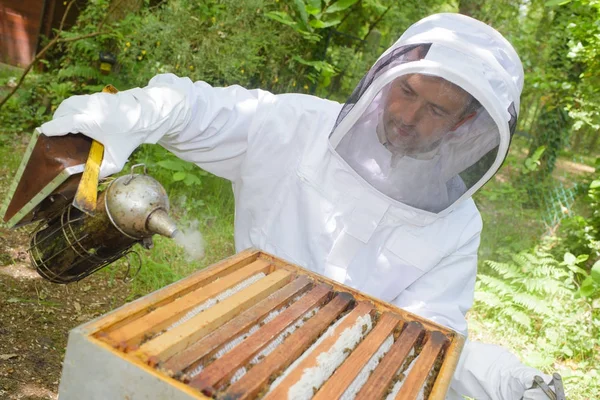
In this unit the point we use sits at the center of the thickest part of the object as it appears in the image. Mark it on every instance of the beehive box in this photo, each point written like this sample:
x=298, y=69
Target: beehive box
x=256, y=326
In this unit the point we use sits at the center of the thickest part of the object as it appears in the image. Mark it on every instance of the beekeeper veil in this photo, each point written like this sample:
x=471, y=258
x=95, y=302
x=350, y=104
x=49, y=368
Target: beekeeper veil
x=432, y=120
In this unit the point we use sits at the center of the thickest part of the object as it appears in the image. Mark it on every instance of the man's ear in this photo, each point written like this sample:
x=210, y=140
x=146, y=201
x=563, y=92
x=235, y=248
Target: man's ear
x=463, y=120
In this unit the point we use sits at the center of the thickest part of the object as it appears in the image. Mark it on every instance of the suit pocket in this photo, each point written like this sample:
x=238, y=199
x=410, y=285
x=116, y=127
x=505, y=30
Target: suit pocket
x=402, y=260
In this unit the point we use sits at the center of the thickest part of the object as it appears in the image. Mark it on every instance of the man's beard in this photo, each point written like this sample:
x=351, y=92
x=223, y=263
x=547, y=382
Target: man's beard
x=404, y=143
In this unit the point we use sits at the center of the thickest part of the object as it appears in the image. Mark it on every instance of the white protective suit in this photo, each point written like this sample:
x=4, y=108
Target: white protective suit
x=304, y=192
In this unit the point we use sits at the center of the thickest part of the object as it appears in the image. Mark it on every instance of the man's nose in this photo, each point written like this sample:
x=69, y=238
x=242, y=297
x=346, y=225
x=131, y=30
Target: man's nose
x=410, y=113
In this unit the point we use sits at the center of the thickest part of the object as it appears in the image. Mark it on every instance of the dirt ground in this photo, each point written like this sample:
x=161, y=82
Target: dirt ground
x=36, y=317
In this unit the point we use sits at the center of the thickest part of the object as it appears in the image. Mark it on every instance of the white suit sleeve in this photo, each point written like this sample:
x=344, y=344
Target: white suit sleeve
x=199, y=123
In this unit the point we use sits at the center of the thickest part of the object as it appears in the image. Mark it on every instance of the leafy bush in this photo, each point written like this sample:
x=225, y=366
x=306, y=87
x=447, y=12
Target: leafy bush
x=535, y=303
x=580, y=233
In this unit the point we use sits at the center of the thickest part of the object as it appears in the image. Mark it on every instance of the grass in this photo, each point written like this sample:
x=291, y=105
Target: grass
x=12, y=147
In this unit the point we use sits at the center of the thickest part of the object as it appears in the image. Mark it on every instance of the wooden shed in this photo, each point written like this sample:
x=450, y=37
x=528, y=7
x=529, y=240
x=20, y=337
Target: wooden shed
x=23, y=23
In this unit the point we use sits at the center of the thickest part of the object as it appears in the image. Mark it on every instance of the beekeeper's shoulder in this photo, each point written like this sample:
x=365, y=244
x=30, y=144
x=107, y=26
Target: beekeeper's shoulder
x=293, y=114
x=465, y=221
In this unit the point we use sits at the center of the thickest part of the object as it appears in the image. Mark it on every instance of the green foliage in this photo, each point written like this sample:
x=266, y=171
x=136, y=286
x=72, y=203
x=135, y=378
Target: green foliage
x=312, y=15
x=581, y=233
x=533, y=162
x=536, y=294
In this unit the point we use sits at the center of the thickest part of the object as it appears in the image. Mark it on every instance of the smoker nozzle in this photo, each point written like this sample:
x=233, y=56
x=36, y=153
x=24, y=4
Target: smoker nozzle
x=160, y=222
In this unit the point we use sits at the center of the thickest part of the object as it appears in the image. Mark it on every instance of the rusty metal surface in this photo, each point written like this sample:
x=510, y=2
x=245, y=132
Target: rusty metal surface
x=45, y=181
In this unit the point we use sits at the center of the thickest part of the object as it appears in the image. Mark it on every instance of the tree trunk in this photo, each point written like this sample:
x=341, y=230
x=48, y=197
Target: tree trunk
x=593, y=142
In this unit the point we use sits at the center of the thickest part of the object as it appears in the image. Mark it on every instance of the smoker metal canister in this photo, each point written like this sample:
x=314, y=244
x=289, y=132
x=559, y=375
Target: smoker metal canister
x=73, y=245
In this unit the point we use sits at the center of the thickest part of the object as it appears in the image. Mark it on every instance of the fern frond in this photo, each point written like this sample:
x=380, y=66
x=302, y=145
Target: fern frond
x=79, y=71
x=496, y=284
x=522, y=260
x=489, y=299
x=549, y=271
x=518, y=317
x=505, y=270
x=532, y=303
x=545, y=286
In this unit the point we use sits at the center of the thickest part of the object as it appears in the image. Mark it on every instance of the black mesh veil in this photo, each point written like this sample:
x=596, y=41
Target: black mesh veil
x=395, y=57
x=473, y=173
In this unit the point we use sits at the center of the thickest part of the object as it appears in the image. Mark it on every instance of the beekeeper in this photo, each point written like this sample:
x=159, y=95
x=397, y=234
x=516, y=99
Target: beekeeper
x=374, y=193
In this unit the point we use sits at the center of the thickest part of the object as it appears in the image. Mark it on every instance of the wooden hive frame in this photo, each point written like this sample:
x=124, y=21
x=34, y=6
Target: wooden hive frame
x=182, y=340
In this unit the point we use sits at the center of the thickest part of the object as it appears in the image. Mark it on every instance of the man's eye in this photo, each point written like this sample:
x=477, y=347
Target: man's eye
x=435, y=112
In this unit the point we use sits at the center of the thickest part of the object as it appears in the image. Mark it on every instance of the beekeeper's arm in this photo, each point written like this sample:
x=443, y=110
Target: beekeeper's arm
x=199, y=123
x=444, y=295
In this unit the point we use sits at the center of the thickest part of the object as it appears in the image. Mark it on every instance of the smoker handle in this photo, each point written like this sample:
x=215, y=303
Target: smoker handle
x=87, y=191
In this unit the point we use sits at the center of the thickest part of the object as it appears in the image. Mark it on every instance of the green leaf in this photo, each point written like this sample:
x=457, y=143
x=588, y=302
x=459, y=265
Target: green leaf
x=191, y=179
x=538, y=152
x=317, y=23
x=552, y=3
x=582, y=258
x=313, y=7
x=595, y=184
x=595, y=273
x=340, y=5
x=173, y=165
x=303, y=14
x=587, y=287
x=570, y=259
x=567, y=351
x=179, y=176
x=539, y=360
x=282, y=17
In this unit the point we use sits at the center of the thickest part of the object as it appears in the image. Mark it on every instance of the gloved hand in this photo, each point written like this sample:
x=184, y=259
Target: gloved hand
x=537, y=393
x=487, y=371
x=125, y=120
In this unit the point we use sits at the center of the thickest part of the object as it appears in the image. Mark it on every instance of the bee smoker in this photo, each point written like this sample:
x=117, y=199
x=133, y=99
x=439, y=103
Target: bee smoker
x=69, y=244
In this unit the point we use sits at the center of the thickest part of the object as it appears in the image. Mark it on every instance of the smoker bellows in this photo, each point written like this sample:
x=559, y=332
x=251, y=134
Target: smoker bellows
x=68, y=244
x=254, y=326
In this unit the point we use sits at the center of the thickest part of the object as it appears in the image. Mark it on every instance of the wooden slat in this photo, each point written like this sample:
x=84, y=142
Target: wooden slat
x=381, y=305
x=281, y=391
x=349, y=370
x=420, y=371
x=160, y=318
x=382, y=376
x=444, y=376
x=180, y=337
x=222, y=369
x=203, y=349
x=255, y=379
x=140, y=307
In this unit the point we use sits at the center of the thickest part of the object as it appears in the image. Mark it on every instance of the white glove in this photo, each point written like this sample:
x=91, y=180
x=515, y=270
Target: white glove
x=487, y=371
x=537, y=393
x=123, y=121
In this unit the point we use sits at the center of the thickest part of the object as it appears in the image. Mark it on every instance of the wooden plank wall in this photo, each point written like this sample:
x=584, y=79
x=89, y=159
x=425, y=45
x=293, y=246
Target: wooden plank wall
x=20, y=22
x=24, y=22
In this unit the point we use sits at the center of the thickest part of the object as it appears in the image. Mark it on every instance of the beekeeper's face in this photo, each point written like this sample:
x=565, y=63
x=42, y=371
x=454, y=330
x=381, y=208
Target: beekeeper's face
x=420, y=110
